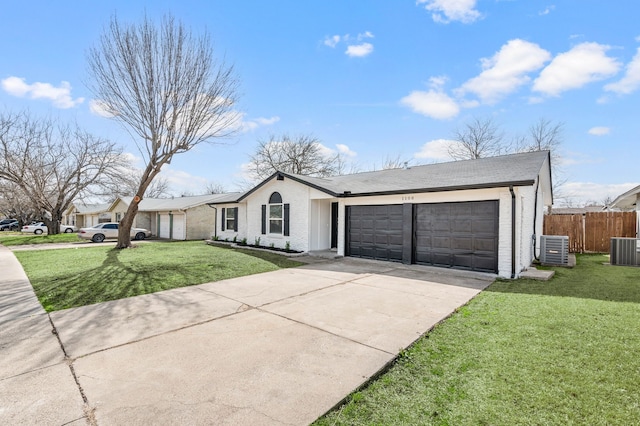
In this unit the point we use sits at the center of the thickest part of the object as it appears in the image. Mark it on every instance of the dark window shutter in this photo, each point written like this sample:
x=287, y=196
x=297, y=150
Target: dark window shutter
x=286, y=220
x=264, y=219
x=235, y=221
x=223, y=219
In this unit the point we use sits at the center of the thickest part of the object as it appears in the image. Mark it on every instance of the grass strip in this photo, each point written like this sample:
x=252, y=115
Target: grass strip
x=523, y=352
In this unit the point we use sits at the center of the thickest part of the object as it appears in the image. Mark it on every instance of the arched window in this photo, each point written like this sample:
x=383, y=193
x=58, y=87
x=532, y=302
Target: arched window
x=275, y=198
x=276, y=216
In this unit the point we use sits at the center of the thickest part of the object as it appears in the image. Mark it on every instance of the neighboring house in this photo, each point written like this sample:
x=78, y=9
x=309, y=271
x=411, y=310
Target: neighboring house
x=579, y=210
x=178, y=218
x=84, y=215
x=482, y=215
x=629, y=201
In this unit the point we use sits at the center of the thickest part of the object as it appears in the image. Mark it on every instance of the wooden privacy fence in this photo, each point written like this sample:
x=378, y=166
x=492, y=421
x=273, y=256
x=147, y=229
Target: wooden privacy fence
x=591, y=232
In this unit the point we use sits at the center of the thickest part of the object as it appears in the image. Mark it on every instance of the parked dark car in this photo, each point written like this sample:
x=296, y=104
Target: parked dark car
x=9, y=225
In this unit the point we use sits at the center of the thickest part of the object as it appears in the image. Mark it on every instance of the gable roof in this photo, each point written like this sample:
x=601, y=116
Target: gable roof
x=507, y=170
x=177, y=203
x=82, y=208
x=628, y=199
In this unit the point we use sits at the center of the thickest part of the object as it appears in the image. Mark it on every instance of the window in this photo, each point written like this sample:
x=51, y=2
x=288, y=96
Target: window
x=275, y=218
x=229, y=219
x=275, y=213
x=118, y=216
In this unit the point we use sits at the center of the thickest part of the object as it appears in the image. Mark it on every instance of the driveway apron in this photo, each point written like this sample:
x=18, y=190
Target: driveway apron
x=279, y=348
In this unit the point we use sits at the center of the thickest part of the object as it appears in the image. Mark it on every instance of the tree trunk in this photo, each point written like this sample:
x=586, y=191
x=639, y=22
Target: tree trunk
x=124, y=230
x=53, y=225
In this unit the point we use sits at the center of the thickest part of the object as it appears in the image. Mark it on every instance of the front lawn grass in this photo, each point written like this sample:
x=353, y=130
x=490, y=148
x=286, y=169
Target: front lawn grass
x=67, y=278
x=522, y=352
x=16, y=239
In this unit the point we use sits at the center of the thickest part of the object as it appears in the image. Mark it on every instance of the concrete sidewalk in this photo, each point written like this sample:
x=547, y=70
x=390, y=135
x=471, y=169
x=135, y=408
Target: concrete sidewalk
x=277, y=348
x=36, y=383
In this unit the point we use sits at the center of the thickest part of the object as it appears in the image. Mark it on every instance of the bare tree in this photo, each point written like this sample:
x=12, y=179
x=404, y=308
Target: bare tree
x=53, y=164
x=478, y=138
x=15, y=204
x=213, y=187
x=547, y=135
x=302, y=155
x=163, y=84
x=396, y=162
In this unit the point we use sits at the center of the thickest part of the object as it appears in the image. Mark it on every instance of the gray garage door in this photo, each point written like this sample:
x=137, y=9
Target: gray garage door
x=458, y=235
x=375, y=232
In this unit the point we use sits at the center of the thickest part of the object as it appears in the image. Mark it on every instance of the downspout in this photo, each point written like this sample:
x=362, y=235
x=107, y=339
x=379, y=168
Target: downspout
x=535, y=220
x=513, y=232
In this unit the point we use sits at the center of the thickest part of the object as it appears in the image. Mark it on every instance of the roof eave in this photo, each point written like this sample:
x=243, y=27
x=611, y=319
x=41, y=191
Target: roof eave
x=294, y=178
x=528, y=182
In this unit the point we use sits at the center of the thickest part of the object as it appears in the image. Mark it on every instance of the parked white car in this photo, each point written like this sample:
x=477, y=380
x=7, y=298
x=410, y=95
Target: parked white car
x=40, y=228
x=109, y=230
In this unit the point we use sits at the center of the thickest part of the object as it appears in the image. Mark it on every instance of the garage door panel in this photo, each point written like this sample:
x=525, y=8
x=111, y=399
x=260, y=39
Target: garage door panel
x=460, y=235
x=375, y=232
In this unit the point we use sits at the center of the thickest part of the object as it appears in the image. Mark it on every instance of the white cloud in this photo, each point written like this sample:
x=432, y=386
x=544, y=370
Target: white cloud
x=359, y=50
x=345, y=150
x=183, y=182
x=355, y=47
x=631, y=80
x=580, y=193
x=445, y=11
x=434, y=104
x=366, y=34
x=546, y=10
x=437, y=149
x=599, y=131
x=99, y=108
x=332, y=41
x=249, y=125
x=583, y=64
x=60, y=96
x=505, y=71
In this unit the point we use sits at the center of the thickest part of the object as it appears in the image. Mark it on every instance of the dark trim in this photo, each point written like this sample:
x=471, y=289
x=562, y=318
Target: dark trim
x=223, y=227
x=334, y=225
x=235, y=220
x=513, y=232
x=294, y=178
x=408, y=243
x=347, y=194
x=347, y=215
x=264, y=219
x=441, y=189
x=285, y=220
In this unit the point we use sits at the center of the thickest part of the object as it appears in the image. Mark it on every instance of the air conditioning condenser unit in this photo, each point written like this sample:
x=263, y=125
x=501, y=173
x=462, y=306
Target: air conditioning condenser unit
x=554, y=250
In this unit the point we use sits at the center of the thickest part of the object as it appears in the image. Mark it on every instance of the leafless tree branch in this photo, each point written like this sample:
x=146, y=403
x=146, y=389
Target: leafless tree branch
x=165, y=86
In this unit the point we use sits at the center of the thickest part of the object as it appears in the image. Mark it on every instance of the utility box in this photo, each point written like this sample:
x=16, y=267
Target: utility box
x=554, y=250
x=625, y=251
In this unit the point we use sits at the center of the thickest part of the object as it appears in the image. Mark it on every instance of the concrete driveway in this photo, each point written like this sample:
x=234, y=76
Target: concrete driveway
x=277, y=348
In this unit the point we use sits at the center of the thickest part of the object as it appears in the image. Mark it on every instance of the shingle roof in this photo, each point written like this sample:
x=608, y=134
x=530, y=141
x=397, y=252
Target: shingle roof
x=180, y=203
x=82, y=208
x=514, y=169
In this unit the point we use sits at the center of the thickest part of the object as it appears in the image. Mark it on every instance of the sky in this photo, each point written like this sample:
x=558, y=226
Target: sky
x=372, y=80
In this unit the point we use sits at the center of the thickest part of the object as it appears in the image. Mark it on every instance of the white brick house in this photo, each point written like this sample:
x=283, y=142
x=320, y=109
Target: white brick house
x=483, y=215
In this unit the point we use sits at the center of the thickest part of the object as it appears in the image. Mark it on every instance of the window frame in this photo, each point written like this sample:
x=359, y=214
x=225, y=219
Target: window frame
x=229, y=222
